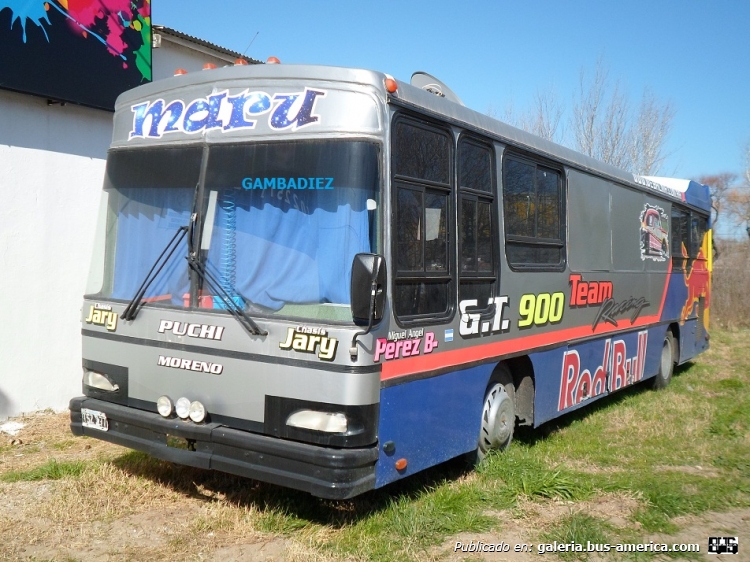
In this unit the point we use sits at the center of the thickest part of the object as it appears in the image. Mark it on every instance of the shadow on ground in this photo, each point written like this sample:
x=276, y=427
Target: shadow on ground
x=210, y=486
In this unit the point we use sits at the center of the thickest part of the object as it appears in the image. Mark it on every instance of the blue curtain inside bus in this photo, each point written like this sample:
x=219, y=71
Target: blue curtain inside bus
x=289, y=246
x=147, y=219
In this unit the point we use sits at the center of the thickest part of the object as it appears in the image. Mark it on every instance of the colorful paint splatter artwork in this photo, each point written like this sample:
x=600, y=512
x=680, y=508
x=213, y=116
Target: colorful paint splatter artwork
x=76, y=33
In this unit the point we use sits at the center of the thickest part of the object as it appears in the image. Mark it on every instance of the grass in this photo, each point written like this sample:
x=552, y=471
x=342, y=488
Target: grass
x=625, y=469
x=579, y=529
x=51, y=470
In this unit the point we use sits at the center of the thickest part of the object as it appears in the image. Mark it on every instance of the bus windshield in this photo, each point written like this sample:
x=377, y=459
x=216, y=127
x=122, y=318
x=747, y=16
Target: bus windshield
x=282, y=223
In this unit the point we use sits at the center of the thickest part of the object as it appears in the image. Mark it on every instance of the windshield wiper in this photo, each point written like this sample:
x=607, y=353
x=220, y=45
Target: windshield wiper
x=131, y=310
x=231, y=305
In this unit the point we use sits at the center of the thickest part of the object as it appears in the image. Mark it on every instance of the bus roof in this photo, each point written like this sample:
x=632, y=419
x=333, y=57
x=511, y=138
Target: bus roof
x=408, y=96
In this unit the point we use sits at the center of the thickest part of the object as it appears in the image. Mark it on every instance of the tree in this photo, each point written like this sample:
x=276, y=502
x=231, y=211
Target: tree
x=543, y=119
x=721, y=186
x=738, y=199
x=652, y=125
x=600, y=119
x=731, y=194
x=602, y=123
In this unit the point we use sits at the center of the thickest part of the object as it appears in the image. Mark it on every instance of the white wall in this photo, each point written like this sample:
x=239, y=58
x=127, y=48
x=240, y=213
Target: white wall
x=52, y=161
x=51, y=169
x=176, y=53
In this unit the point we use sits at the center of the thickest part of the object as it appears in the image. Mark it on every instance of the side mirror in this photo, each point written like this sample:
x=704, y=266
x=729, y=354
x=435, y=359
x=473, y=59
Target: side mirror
x=368, y=287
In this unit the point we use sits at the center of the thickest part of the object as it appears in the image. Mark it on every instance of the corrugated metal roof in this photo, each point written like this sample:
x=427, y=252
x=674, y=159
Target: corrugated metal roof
x=185, y=37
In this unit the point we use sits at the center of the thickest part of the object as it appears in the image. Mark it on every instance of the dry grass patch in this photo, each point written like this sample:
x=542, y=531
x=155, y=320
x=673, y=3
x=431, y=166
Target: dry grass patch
x=697, y=470
x=616, y=508
x=44, y=436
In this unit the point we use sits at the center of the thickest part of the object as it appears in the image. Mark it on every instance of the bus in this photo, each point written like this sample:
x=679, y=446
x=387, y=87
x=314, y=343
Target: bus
x=329, y=279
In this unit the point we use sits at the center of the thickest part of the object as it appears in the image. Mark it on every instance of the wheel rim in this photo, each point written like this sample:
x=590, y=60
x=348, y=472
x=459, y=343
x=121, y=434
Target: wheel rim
x=498, y=418
x=666, y=358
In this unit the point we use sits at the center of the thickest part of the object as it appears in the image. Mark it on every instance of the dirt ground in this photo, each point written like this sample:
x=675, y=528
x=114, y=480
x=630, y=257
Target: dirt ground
x=105, y=515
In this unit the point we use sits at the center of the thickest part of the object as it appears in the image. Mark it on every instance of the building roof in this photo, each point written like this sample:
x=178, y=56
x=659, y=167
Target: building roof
x=168, y=31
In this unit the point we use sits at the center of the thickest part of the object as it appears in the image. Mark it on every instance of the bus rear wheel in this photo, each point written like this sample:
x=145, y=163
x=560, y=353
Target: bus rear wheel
x=666, y=363
x=498, y=414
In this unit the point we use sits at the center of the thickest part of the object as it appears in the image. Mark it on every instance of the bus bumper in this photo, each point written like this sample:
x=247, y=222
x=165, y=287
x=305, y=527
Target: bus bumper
x=321, y=471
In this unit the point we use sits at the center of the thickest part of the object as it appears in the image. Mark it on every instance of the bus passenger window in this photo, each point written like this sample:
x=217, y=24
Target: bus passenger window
x=699, y=225
x=476, y=224
x=680, y=237
x=533, y=205
x=421, y=178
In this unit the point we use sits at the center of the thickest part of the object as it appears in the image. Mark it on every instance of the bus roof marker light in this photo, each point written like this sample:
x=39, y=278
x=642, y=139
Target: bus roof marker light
x=180, y=72
x=273, y=60
x=240, y=62
x=390, y=84
x=209, y=66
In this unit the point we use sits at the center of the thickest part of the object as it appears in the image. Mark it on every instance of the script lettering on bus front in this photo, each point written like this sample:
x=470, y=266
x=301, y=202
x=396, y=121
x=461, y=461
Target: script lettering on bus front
x=287, y=183
x=310, y=340
x=102, y=315
x=223, y=112
x=190, y=365
x=203, y=331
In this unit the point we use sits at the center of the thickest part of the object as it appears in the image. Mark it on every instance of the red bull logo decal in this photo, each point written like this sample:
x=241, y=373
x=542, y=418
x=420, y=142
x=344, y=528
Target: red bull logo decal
x=615, y=371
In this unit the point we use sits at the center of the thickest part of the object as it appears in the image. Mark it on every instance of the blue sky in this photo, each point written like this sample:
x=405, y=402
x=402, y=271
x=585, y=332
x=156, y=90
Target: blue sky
x=494, y=53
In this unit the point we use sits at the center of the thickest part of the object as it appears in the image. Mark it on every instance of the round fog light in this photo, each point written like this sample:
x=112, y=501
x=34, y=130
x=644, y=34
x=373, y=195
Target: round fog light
x=197, y=412
x=164, y=406
x=182, y=407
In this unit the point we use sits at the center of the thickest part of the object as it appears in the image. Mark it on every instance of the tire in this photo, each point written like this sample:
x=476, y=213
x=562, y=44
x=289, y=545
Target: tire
x=666, y=363
x=498, y=414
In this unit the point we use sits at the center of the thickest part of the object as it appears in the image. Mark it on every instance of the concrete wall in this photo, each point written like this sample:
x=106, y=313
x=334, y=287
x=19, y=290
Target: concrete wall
x=52, y=161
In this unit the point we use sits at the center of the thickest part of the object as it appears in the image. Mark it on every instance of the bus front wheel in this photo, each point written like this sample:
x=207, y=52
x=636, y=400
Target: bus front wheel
x=666, y=362
x=498, y=414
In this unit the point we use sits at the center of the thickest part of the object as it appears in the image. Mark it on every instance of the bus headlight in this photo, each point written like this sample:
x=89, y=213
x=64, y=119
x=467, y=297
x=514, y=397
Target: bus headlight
x=319, y=421
x=197, y=411
x=182, y=408
x=97, y=380
x=164, y=406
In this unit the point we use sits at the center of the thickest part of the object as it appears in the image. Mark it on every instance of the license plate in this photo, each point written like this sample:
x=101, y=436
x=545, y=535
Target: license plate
x=94, y=419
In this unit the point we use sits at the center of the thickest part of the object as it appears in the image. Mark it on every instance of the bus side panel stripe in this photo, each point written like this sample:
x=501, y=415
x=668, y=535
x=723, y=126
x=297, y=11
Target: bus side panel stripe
x=434, y=361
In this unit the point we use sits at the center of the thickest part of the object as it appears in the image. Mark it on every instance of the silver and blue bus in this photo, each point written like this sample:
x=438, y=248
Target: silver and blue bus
x=329, y=279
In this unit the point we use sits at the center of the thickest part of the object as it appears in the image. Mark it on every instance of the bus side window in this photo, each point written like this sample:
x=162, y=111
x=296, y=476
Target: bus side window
x=698, y=228
x=476, y=222
x=533, y=205
x=680, y=237
x=422, y=171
